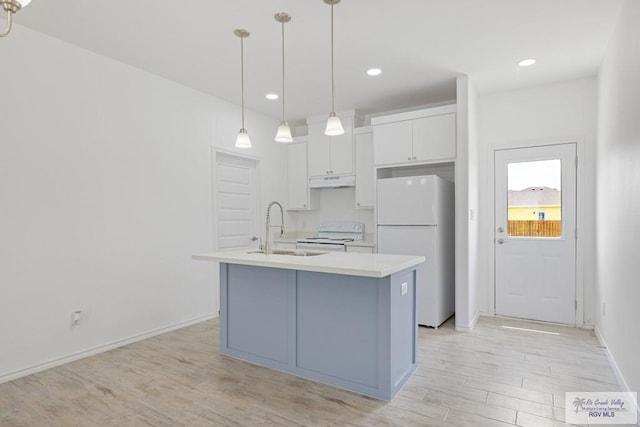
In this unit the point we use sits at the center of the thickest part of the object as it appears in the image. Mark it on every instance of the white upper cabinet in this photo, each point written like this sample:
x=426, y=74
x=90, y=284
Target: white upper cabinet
x=434, y=137
x=393, y=142
x=299, y=196
x=417, y=136
x=330, y=155
x=364, y=169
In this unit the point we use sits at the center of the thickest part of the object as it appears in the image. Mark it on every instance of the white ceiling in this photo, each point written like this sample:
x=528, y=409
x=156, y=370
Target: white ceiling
x=421, y=45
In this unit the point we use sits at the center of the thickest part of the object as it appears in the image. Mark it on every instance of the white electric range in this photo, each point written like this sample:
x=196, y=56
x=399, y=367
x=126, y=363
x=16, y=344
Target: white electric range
x=333, y=236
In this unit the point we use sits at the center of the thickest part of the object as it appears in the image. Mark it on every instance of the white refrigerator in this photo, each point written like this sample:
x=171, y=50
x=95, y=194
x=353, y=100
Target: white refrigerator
x=415, y=216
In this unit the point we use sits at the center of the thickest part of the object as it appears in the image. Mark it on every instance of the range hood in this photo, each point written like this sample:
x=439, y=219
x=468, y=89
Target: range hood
x=332, y=181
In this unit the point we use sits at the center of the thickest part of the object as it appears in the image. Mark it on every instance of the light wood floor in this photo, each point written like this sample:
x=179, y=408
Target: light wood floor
x=490, y=377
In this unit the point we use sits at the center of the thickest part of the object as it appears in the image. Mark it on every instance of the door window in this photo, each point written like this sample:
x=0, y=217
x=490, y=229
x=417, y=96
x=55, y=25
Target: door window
x=534, y=200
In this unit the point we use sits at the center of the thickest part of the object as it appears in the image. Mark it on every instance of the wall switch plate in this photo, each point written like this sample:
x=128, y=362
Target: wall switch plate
x=76, y=316
x=404, y=288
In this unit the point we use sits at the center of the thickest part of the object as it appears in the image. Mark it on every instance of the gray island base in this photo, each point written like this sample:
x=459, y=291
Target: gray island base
x=356, y=332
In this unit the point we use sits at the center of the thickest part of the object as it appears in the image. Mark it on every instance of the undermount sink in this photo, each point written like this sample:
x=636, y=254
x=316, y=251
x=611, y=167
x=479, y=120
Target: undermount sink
x=289, y=252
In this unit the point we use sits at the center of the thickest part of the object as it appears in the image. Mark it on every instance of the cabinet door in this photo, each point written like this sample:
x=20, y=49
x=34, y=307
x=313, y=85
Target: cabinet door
x=297, y=179
x=392, y=143
x=341, y=153
x=319, y=150
x=364, y=170
x=330, y=155
x=434, y=138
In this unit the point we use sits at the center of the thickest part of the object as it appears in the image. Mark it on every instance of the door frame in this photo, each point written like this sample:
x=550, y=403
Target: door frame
x=215, y=152
x=580, y=212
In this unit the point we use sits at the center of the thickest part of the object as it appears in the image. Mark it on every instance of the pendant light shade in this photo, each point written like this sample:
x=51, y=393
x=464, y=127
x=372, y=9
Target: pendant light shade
x=334, y=125
x=242, y=141
x=284, y=131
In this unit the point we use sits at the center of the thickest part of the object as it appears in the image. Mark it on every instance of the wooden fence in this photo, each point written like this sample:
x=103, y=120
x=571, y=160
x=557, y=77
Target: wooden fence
x=544, y=228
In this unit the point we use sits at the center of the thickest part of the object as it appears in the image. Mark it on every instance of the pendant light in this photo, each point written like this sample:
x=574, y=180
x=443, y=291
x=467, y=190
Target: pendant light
x=11, y=7
x=284, y=131
x=334, y=125
x=242, y=141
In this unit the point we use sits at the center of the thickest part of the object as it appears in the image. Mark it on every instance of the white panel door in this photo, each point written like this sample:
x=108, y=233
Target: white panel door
x=235, y=202
x=535, y=233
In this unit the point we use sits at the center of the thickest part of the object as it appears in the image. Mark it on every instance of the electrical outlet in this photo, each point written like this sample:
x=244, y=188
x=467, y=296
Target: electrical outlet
x=76, y=317
x=404, y=288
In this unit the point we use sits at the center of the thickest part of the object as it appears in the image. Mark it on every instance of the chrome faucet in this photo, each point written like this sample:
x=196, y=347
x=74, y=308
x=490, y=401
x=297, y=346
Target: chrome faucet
x=268, y=250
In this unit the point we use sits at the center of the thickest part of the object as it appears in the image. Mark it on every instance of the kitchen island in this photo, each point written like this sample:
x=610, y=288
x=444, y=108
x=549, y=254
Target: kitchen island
x=344, y=319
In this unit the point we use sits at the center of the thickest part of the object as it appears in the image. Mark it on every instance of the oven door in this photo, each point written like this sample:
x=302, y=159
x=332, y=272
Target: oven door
x=325, y=247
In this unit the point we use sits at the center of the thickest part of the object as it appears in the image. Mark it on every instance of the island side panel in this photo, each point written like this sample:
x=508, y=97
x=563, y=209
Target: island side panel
x=403, y=327
x=256, y=313
x=337, y=327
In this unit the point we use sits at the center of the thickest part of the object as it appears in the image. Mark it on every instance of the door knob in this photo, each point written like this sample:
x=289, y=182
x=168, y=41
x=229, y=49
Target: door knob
x=500, y=241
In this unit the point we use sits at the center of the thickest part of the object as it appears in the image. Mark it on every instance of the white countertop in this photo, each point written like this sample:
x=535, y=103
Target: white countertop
x=353, y=264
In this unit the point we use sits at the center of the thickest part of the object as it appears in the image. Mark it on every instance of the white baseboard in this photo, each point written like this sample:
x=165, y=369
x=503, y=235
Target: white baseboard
x=614, y=366
x=469, y=327
x=10, y=376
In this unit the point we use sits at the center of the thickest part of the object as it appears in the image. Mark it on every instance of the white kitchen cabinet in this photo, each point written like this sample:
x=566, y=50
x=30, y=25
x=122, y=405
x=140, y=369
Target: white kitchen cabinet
x=299, y=196
x=360, y=249
x=417, y=136
x=434, y=138
x=330, y=155
x=365, y=175
x=393, y=142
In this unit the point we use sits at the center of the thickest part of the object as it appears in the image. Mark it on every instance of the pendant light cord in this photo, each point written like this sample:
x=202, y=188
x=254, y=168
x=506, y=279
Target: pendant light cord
x=242, y=76
x=333, y=92
x=283, y=95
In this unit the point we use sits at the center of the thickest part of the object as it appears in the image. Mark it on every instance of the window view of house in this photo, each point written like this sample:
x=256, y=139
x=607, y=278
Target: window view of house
x=534, y=201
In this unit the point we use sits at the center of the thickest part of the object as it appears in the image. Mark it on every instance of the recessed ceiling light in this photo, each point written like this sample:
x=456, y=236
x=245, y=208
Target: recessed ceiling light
x=527, y=62
x=272, y=96
x=374, y=71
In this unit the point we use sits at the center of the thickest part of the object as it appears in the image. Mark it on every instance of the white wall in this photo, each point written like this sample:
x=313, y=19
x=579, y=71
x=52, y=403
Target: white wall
x=336, y=204
x=618, y=197
x=105, y=192
x=467, y=190
x=561, y=112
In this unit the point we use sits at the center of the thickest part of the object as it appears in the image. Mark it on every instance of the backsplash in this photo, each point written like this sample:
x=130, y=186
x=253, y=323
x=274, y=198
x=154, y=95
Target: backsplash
x=336, y=204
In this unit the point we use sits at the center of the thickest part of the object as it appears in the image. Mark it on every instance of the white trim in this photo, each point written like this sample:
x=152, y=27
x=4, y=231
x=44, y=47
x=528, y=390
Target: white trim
x=470, y=327
x=580, y=212
x=614, y=365
x=10, y=376
x=235, y=153
x=416, y=114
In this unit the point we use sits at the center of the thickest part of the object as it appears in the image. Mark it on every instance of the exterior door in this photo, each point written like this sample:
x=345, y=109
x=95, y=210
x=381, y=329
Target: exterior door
x=535, y=233
x=236, y=202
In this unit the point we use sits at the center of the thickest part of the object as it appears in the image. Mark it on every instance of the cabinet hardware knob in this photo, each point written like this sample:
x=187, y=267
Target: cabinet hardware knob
x=414, y=157
x=408, y=158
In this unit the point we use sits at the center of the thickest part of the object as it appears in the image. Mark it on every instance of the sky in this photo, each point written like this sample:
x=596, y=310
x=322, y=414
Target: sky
x=543, y=173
